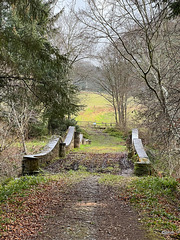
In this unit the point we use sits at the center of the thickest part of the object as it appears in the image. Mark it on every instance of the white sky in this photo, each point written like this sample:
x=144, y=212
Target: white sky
x=79, y=4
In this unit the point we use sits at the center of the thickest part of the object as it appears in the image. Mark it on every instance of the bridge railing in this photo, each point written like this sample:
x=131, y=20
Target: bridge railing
x=143, y=165
x=57, y=147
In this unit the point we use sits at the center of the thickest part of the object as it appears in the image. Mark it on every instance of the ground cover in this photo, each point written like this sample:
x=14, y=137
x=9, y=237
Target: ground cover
x=102, y=142
x=24, y=202
x=157, y=200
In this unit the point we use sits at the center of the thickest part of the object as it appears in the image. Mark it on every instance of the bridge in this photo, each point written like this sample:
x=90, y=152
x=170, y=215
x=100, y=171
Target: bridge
x=58, y=148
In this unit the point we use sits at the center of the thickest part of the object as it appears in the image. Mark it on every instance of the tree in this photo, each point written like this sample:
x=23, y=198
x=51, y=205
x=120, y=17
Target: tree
x=27, y=55
x=173, y=5
x=70, y=36
x=115, y=81
x=147, y=39
x=144, y=35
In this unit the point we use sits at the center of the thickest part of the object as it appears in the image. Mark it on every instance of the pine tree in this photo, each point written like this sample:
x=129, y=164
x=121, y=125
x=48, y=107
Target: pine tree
x=26, y=55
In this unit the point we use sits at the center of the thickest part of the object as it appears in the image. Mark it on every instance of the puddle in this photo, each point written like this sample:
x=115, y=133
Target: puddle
x=90, y=204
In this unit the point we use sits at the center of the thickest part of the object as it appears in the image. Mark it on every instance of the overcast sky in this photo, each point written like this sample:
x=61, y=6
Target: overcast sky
x=64, y=3
x=80, y=4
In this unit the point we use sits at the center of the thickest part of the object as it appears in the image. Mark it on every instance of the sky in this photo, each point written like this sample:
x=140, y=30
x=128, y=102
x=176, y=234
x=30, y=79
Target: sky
x=79, y=4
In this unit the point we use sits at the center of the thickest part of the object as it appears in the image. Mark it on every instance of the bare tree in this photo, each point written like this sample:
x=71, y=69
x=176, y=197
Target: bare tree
x=70, y=35
x=145, y=38
x=17, y=112
x=115, y=81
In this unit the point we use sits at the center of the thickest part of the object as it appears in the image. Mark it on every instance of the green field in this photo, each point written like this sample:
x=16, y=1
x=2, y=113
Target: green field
x=102, y=142
x=98, y=109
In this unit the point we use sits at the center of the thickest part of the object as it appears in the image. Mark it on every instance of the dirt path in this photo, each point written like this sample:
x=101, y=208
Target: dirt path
x=93, y=212
x=89, y=210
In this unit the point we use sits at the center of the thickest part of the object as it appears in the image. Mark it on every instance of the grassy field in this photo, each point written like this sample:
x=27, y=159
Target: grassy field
x=102, y=142
x=98, y=109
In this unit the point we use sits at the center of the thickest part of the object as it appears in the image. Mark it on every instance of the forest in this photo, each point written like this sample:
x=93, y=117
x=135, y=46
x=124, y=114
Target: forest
x=104, y=67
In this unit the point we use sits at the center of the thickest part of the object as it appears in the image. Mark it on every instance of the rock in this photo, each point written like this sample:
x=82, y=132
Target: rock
x=164, y=232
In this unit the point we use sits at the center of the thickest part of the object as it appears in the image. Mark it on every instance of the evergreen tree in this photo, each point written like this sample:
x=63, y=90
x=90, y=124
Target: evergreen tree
x=26, y=55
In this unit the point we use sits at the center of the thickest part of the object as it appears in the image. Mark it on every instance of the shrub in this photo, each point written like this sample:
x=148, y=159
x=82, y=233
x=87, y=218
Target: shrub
x=38, y=129
x=85, y=134
x=114, y=132
x=58, y=126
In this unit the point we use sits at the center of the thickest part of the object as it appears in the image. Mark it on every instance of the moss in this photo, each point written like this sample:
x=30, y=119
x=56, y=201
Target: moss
x=142, y=169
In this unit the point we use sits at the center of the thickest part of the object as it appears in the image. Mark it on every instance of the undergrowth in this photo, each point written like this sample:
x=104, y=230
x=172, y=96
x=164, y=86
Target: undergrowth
x=14, y=186
x=156, y=199
x=115, y=133
x=11, y=186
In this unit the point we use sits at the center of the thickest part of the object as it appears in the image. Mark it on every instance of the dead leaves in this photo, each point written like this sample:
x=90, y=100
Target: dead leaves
x=23, y=216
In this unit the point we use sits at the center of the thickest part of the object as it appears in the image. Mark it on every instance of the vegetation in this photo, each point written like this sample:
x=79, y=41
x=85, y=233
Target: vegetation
x=103, y=143
x=115, y=133
x=98, y=109
x=38, y=96
x=15, y=186
x=26, y=198
x=35, y=89
x=146, y=46
x=156, y=199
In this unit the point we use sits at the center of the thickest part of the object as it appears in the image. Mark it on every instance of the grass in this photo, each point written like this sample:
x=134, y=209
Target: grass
x=33, y=145
x=98, y=109
x=113, y=180
x=102, y=142
x=11, y=186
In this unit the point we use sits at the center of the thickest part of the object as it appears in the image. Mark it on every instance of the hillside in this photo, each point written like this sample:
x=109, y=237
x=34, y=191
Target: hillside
x=98, y=109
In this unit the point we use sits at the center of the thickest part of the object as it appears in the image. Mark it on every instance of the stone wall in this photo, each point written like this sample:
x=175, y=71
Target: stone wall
x=32, y=163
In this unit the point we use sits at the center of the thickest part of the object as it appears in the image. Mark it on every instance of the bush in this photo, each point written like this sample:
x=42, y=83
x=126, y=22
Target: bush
x=114, y=132
x=57, y=126
x=85, y=134
x=38, y=129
